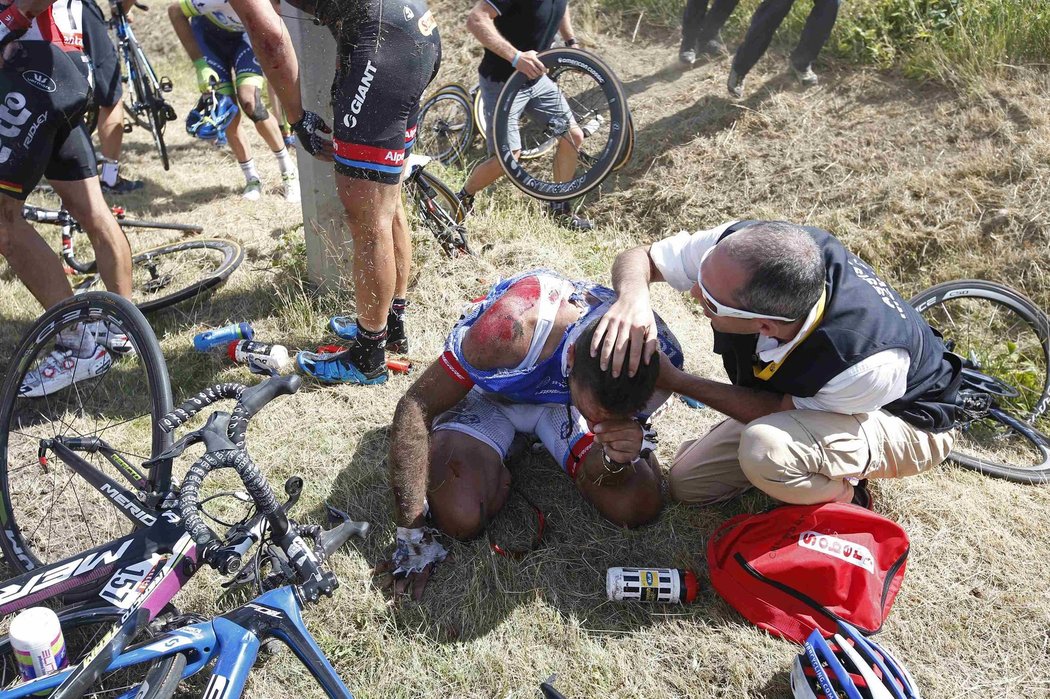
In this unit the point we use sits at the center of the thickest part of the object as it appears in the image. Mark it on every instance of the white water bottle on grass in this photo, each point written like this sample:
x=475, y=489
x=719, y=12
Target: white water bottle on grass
x=259, y=355
x=37, y=642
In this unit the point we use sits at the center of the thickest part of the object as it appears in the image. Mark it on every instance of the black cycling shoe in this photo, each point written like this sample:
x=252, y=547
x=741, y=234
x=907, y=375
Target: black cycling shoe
x=565, y=218
x=466, y=202
x=122, y=186
x=862, y=496
x=712, y=47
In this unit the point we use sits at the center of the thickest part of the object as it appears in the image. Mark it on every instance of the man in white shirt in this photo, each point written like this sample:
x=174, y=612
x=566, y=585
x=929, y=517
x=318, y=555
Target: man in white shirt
x=834, y=377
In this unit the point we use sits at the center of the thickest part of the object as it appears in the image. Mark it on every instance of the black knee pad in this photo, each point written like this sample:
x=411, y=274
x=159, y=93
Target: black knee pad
x=258, y=112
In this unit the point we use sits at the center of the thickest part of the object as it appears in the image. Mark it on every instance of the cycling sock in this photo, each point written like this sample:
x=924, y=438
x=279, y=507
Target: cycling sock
x=110, y=172
x=284, y=161
x=248, y=168
x=395, y=319
x=368, y=350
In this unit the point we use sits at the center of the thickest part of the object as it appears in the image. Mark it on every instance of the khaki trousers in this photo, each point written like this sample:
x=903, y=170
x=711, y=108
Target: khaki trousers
x=802, y=456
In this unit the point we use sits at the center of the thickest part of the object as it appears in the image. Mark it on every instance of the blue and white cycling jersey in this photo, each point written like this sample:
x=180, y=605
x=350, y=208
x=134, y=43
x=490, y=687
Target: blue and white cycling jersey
x=539, y=381
x=218, y=11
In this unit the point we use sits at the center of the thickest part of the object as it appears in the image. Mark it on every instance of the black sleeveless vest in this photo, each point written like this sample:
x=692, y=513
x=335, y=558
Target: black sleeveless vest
x=863, y=316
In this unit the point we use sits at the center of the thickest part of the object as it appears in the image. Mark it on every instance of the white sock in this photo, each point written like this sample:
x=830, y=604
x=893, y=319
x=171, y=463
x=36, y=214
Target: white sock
x=284, y=161
x=248, y=168
x=110, y=171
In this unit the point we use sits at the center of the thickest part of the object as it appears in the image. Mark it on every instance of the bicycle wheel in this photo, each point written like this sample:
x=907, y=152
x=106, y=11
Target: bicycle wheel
x=445, y=128
x=598, y=106
x=628, y=146
x=82, y=628
x=478, y=110
x=439, y=211
x=47, y=510
x=997, y=331
x=1003, y=446
x=170, y=274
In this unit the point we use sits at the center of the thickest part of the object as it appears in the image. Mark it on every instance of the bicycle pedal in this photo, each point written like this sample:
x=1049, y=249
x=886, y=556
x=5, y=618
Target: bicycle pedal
x=166, y=85
x=169, y=113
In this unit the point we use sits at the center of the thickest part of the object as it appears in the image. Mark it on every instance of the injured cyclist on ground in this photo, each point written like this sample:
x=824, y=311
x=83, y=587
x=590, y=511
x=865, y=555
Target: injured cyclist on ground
x=510, y=367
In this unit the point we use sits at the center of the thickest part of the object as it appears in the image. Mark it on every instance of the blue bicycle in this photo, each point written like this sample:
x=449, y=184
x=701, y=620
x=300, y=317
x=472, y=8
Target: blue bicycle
x=288, y=568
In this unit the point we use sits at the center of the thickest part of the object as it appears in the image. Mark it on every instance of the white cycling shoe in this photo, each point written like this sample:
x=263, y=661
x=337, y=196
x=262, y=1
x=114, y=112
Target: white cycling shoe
x=61, y=369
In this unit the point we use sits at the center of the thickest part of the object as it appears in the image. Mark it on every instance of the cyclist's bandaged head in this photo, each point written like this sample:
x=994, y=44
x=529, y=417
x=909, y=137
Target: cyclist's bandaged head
x=624, y=395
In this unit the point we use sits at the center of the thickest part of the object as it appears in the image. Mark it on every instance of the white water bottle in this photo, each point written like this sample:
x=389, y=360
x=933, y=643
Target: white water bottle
x=258, y=354
x=37, y=642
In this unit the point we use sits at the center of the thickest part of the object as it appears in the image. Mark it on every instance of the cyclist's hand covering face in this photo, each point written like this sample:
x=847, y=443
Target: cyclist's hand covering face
x=312, y=130
x=416, y=554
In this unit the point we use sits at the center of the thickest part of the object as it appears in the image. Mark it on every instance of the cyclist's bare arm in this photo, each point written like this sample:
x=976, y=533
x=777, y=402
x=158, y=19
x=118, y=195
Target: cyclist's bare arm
x=432, y=394
x=181, y=23
x=481, y=23
x=273, y=48
x=631, y=317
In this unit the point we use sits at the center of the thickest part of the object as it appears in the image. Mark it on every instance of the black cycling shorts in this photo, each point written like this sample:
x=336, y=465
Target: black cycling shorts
x=388, y=54
x=42, y=130
x=103, y=54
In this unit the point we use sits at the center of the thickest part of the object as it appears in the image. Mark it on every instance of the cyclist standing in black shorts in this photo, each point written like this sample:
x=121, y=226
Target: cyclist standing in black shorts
x=107, y=93
x=389, y=51
x=44, y=82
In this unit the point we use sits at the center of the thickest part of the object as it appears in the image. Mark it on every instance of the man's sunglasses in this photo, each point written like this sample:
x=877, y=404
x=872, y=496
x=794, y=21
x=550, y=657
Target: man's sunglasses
x=720, y=309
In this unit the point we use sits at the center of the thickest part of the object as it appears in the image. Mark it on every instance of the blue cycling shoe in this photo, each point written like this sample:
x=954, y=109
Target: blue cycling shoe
x=336, y=368
x=396, y=341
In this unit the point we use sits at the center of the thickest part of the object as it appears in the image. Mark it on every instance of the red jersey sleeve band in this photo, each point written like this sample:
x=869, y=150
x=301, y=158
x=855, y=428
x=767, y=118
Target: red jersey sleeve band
x=454, y=369
x=577, y=453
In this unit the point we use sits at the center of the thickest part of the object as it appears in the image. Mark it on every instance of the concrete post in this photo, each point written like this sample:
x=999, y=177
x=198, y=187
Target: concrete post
x=329, y=247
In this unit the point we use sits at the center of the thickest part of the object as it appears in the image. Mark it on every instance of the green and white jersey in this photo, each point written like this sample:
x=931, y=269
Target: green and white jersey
x=218, y=11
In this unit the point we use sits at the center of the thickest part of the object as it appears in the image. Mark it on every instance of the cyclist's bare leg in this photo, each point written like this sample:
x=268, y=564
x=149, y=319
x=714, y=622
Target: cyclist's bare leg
x=238, y=140
x=402, y=249
x=83, y=199
x=111, y=130
x=249, y=97
x=370, y=209
x=629, y=499
x=565, y=156
x=485, y=174
x=31, y=258
x=468, y=483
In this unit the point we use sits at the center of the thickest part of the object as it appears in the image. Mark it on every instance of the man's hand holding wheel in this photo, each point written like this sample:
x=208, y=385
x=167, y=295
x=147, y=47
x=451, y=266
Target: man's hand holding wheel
x=528, y=62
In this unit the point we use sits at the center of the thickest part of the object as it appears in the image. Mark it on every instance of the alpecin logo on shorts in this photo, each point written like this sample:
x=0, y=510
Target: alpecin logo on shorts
x=40, y=81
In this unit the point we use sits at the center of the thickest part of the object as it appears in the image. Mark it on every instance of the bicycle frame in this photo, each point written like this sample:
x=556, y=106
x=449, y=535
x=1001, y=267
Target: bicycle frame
x=232, y=641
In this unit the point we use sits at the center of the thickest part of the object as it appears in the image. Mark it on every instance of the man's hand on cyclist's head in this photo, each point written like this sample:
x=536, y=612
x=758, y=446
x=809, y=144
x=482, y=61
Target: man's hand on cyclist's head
x=311, y=131
x=529, y=64
x=629, y=319
x=416, y=553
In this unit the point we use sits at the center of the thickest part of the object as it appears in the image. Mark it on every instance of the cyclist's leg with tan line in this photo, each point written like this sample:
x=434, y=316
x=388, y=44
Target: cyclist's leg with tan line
x=83, y=199
x=370, y=209
x=31, y=258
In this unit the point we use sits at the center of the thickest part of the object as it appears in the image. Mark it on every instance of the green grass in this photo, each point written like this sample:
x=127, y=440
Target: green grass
x=952, y=40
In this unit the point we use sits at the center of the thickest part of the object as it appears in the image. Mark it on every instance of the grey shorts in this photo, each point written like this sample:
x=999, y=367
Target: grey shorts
x=542, y=101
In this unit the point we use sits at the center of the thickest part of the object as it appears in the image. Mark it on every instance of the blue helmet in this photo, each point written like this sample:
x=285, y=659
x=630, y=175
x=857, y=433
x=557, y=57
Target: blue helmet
x=211, y=116
x=850, y=666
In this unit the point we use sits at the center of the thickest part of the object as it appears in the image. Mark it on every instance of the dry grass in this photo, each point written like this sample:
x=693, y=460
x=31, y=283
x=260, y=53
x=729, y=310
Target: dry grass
x=925, y=184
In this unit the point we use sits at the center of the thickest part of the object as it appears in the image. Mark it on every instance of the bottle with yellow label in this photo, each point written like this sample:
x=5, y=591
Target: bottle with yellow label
x=667, y=585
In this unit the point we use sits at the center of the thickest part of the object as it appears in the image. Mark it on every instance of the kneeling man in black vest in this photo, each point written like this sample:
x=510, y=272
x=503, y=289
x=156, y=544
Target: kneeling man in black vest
x=834, y=377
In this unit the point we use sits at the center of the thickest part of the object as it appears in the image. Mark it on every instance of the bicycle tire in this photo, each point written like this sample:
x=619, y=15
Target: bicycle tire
x=147, y=280
x=1019, y=440
x=159, y=225
x=951, y=308
x=452, y=134
x=163, y=678
x=443, y=216
x=80, y=639
x=601, y=165
x=628, y=145
x=480, y=123
x=119, y=392
x=455, y=88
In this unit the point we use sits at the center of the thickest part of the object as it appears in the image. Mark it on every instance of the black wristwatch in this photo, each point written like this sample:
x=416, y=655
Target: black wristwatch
x=571, y=42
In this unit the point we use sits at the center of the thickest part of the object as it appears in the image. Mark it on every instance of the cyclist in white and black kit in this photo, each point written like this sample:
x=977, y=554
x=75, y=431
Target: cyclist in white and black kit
x=512, y=31
x=45, y=80
x=388, y=53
